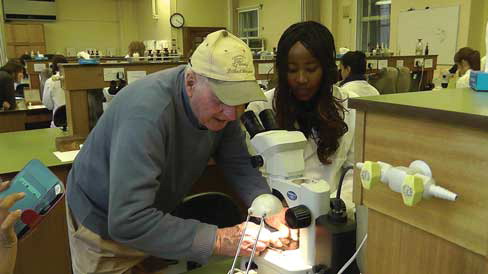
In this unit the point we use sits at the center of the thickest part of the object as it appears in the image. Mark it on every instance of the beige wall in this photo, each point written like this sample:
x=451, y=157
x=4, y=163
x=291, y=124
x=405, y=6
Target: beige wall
x=327, y=14
x=128, y=27
x=346, y=24
x=275, y=16
x=485, y=50
x=149, y=28
x=3, y=45
x=208, y=13
x=83, y=24
x=403, y=5
x=477, y=25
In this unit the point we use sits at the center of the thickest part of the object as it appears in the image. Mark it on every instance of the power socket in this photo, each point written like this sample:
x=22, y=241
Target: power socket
x=372, y=64
x=419, y=62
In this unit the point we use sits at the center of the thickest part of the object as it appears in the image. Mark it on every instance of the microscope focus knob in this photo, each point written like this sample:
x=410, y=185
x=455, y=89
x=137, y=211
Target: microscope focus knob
x=257, y=161
x=298, y=217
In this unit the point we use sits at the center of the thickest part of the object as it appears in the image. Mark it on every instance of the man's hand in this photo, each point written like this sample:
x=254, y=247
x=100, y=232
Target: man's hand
x=228, y=240
x=8, y=219
x=284, y=238
x=6, y=105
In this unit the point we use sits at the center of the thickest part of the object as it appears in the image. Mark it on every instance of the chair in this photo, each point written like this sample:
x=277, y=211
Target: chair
x=385, y=81
x=404, y=82
x=43, y=76
x=108, y=97
x=60, y=118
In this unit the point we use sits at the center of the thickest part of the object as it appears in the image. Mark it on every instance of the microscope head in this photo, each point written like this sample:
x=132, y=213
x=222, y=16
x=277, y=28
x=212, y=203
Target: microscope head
x=281, y=150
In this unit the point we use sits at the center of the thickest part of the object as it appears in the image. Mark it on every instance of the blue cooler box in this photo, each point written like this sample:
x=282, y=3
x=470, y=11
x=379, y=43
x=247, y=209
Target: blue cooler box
x=478, y=80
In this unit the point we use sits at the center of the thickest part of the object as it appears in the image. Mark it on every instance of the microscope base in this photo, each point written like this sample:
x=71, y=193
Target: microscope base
x=286, y=262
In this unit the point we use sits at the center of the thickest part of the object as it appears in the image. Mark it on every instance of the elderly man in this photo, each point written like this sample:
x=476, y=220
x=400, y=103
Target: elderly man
x=147, y=150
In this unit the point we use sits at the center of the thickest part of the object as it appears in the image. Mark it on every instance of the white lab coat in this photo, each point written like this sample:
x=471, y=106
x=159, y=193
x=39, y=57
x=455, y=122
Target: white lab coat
x=53, y=96
x=313, y=167
x=359, y=88
x=463, y=81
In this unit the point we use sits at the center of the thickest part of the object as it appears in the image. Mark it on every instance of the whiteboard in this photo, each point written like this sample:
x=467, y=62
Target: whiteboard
x=436, y=26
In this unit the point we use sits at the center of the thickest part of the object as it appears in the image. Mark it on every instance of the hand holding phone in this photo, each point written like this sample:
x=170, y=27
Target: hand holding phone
x=41, y=191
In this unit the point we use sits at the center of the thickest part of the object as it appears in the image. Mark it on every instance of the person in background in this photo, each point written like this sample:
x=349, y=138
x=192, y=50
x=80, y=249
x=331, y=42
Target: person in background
x=306, y=99
x=22, y=60
x=10, y=73
x=53, y=95
x=136, y=47
x=8, y=239
x=19, y=87
x=466, y=59
x=353, y=70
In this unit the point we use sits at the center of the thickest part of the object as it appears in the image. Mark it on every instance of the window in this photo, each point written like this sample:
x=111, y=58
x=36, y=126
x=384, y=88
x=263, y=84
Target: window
x=373, y=24
x=249, y=23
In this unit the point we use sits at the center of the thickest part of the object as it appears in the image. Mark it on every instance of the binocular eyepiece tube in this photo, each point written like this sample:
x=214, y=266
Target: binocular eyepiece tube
x=252, y=124
x=267, y=118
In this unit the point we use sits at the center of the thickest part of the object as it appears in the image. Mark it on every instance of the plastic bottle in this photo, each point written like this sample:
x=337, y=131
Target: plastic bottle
x=427, y=49
x=419, y=48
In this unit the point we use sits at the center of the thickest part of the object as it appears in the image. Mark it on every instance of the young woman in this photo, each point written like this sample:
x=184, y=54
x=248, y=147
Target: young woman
x=11, y=73
x=53, y=95
x=306, y=99
x=466, y=59
x=353, y=70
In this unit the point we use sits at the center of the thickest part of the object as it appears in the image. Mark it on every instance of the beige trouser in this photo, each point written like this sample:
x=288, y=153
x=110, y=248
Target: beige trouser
x=92, y=254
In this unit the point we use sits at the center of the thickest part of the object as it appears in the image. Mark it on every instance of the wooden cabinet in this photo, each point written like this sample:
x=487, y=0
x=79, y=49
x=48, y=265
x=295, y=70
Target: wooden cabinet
x=24, y=37
x=448, y=130
x=193, y=36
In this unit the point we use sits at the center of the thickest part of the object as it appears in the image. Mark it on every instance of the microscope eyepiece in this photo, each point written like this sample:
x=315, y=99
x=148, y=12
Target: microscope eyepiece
x=267, y=118
x=251, y=123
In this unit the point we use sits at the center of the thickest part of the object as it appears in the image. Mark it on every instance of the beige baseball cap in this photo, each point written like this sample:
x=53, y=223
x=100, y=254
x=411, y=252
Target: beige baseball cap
x=227, y=61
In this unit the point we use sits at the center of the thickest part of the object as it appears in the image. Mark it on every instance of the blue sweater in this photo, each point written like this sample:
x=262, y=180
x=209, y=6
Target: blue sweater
x=141, y=160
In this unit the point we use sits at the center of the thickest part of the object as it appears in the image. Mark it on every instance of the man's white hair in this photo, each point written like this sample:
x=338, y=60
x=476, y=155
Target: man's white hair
x=200, y=78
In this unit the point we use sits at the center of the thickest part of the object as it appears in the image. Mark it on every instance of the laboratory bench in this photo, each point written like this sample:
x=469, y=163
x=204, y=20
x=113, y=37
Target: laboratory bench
x=448, y=129
x=34, y=67
x=422, y=67
x=45, y=250
x=24, y=117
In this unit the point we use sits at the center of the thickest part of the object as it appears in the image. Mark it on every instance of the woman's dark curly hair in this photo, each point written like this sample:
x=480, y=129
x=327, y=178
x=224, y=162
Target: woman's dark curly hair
x=322, y=117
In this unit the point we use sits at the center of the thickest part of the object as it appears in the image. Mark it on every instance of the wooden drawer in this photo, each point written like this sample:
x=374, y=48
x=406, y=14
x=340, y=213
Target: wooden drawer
x=457, y=156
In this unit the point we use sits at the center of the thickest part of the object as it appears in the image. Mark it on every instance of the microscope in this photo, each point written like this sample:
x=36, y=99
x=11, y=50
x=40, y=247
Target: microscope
x=280, y=154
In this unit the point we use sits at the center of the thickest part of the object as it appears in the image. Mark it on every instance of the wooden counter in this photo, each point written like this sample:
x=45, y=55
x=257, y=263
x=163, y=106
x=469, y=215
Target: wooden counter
x=448, y=129
x=46, y=250
x=34, y=75
x=19, y=119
